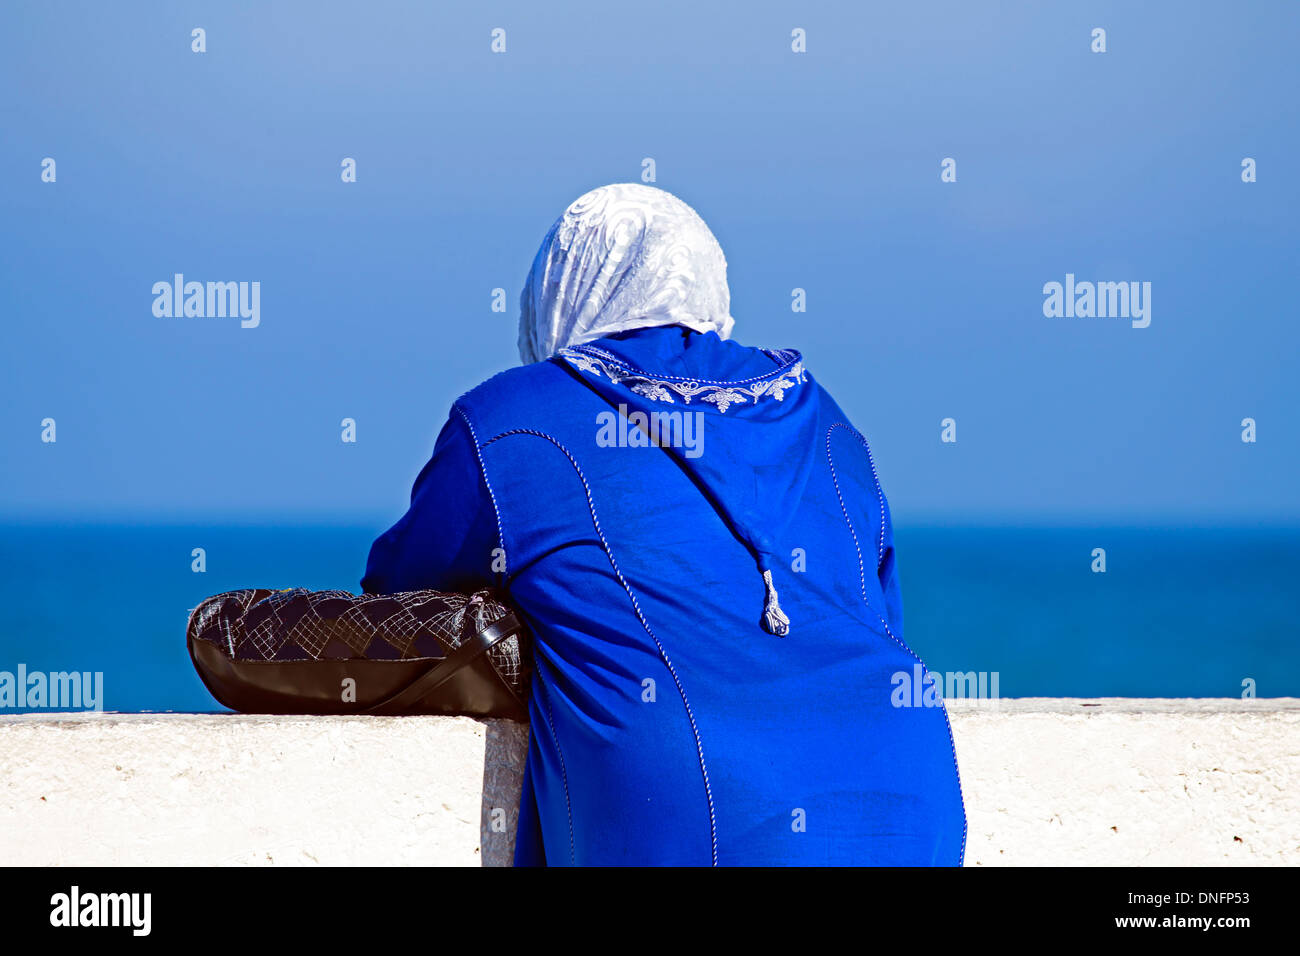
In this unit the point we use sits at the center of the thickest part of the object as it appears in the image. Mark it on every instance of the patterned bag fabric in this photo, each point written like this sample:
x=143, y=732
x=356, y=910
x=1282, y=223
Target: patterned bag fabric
x=331, y=652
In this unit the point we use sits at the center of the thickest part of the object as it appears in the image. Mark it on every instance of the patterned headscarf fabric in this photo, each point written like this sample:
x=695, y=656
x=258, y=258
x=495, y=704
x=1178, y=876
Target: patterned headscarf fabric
x=624, y=256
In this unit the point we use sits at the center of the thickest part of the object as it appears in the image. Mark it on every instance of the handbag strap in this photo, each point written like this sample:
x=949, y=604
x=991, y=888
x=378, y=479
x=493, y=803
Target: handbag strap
x=437, y=675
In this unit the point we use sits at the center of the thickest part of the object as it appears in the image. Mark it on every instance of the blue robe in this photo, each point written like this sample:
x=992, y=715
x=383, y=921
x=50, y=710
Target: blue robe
x=670, y=725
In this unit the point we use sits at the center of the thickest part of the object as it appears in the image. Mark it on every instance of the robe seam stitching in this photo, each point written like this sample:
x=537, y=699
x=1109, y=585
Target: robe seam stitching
x=564, y=773
x=487, y=483
x=636, y=607
x=862, y=581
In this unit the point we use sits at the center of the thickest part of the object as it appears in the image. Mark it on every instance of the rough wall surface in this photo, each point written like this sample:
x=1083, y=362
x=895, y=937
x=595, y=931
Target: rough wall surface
x=1130, y=782
x=106, y=789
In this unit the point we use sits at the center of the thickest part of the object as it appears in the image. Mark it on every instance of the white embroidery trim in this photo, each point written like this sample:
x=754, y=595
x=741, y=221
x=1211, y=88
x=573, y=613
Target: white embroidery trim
x=723, y=395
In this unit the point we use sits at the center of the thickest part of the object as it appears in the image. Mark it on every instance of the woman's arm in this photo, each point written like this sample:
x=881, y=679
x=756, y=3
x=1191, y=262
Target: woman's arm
x=448, y=539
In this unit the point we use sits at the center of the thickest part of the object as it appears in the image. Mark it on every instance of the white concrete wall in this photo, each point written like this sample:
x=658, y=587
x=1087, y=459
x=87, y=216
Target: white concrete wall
x=1130, y=782
x=110, y=789
x=1134, y=782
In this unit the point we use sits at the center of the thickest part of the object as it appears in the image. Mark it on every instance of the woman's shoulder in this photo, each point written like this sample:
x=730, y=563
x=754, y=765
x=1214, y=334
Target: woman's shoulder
x=519, y=395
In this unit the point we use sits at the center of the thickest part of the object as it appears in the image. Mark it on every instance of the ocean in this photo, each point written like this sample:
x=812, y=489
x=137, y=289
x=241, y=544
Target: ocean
x=1178, y=612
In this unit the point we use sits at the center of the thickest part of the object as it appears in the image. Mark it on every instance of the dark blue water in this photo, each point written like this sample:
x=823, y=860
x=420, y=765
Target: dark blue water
x=1178, y=612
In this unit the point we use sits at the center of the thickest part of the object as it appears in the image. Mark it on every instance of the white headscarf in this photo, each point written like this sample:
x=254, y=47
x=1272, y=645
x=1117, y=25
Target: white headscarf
x=623, y=256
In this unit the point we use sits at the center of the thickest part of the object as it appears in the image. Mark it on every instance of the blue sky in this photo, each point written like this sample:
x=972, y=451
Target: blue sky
x=818, y=170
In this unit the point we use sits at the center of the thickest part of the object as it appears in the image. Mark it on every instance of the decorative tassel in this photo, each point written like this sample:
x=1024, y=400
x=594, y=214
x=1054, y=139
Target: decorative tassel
x=774, y=619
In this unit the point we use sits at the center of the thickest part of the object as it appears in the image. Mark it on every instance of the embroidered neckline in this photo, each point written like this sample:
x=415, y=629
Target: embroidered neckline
x=662, y=388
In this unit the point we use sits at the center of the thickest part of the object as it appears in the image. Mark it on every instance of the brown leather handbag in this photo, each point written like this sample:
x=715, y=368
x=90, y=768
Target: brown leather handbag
x=331, y=652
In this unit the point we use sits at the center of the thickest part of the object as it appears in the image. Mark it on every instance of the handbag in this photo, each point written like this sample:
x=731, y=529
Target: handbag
x=296, y=651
